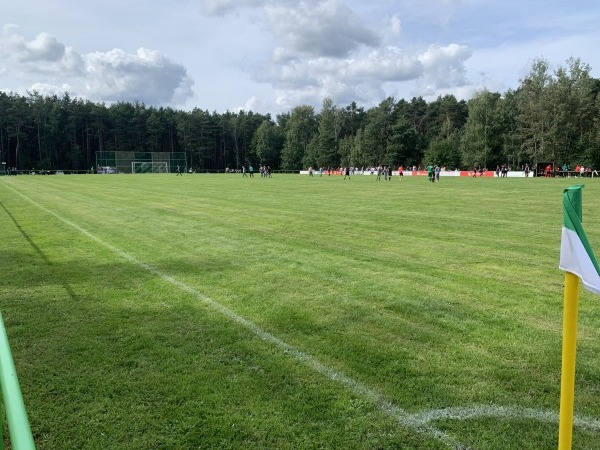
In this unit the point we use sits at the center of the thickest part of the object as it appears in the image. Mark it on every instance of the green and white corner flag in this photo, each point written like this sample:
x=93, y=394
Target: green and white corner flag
x=576, y=254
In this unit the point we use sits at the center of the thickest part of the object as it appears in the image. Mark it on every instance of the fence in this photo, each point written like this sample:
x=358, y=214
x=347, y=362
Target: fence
x=16, y=415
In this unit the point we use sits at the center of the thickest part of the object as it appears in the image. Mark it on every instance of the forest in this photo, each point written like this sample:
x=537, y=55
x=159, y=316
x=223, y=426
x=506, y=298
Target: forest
x=552, y=116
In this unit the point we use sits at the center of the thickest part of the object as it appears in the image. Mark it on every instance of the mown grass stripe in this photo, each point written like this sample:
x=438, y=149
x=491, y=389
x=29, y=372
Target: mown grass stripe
x=356, y=387
x=445, y=309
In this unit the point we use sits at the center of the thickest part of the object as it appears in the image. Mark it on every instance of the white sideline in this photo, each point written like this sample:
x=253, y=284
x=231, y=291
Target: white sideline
x=419, y=422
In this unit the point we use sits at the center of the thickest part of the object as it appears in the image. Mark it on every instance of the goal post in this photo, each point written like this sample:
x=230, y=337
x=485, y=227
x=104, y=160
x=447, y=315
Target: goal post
x=140, y=162
x=149, y=167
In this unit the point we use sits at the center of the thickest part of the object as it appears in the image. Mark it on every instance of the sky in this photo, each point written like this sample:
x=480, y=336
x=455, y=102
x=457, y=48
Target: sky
x=269, y=56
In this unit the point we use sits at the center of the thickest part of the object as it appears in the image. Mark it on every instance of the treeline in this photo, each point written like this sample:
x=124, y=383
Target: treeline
x=550, y=117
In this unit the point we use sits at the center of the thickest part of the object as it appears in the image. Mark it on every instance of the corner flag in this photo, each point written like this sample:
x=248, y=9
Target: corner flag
x=576, y=254
x=578, y=262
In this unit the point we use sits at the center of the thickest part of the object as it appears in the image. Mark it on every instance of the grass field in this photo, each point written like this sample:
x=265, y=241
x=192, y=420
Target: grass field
x=215, y=311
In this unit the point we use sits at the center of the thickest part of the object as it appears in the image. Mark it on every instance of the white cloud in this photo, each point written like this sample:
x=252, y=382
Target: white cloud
x=327, y=28
x=252, y=104
x=43, y=54
x=394, y=26
x=222, y=7
x=147, y=76
x=444, y=67
x=434, y=71
x=43, y=48
x=51, y=89
x=313, y=27
x=386, y=64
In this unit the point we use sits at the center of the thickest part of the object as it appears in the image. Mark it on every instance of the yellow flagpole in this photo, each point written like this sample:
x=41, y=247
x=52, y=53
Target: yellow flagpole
x=569, y=348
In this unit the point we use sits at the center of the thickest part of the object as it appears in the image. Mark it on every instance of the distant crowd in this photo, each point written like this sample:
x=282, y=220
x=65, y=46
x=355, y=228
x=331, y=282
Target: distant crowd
x=579, y=171
x=265, y=171
x=382, y=170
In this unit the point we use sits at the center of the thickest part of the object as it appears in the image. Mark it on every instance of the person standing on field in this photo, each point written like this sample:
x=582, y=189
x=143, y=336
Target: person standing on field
x=430, y=173
x=178, y=171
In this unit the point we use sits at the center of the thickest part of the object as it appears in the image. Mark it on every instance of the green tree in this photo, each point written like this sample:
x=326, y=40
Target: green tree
x=482, y=141
x=345, y=148
x=353, y=119
x=266, y=144
x=445, y=149
x=4, y=144
x=403, y=147
x=515, y=155
x=300, y=129
x=328, y=135
x=358, y=157
x=571, y=125
x=416, y=113
x=550, y=117
x=377, y=134
x=18, y=115
x=442, y=111
x=154, y=131
x=533, y=111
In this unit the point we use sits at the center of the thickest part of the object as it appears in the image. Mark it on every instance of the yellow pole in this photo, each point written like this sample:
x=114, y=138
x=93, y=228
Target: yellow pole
x=569, y=348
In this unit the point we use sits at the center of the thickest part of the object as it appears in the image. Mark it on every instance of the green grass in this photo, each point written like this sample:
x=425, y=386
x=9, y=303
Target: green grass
x=428, y=296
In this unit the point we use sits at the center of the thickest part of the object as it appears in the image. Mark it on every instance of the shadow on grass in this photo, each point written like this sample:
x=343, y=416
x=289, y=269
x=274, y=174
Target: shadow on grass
x=37, y=249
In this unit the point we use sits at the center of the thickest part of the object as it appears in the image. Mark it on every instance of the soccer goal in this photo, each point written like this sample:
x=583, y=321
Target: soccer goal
x=149, y=167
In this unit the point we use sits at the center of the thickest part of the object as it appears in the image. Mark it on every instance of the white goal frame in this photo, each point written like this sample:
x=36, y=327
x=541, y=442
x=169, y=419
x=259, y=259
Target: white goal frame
x=149, y=167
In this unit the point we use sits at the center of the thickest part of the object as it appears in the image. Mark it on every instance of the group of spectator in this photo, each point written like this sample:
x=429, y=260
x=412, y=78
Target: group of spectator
x=106, y=169
x=579, y=171
x=434, y=171
x=386, y=171
x=265, y=171
x=582, y=171
x=502, y=170
x=380, y=170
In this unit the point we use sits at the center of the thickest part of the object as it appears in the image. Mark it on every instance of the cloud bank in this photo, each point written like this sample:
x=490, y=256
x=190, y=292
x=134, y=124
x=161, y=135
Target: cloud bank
x=276, y=54
x=324, y=50
x=315, y=49
x=147, y=76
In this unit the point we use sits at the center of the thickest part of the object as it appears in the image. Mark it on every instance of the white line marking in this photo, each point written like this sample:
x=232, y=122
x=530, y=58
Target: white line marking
x=502, y=412
x=419, y=422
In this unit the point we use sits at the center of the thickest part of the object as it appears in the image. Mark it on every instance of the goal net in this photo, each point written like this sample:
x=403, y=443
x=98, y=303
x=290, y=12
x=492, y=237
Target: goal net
x=140, y=162
x=149, y=167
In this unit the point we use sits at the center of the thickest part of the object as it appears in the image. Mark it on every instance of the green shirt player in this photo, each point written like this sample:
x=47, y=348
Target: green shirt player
x=430, y=173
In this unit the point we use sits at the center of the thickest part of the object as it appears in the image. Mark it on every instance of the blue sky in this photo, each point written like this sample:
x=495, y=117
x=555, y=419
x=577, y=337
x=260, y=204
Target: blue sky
x=271, y=55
